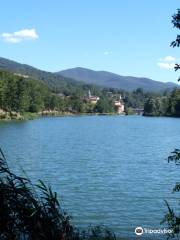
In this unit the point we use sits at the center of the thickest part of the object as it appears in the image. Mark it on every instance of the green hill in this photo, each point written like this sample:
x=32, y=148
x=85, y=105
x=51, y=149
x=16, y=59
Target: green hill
x=75, y=79
x=111, y=80
x=56, y=82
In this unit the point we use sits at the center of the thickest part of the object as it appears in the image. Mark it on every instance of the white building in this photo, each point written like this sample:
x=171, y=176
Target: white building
x=92, y=99
x=119, y=105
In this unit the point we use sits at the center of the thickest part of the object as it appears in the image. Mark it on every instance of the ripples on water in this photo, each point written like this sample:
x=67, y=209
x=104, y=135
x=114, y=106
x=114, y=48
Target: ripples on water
x=109, y=170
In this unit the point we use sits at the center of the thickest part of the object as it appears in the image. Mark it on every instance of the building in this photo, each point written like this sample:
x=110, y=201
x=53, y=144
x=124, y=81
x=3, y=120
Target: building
x=21, y=75
x=92, y=99
x=119, y=105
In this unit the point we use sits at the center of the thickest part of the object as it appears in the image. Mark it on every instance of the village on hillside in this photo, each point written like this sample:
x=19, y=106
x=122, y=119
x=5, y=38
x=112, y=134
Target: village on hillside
x=118, y=104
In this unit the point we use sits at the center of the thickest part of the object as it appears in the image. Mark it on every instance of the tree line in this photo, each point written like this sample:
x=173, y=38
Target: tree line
x=27, y=95
x=168, y=105
x=21, y=94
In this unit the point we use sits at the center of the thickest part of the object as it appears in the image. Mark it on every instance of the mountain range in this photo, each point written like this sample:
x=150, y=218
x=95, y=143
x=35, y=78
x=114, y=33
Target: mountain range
x=112, y=80
x=77, y=77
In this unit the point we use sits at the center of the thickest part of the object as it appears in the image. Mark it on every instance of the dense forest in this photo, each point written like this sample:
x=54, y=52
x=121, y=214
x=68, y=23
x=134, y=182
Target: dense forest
x=168, y=105
x=22, y=94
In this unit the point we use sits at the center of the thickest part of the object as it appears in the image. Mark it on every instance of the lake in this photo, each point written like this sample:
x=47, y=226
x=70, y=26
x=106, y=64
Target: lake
x=108, y=170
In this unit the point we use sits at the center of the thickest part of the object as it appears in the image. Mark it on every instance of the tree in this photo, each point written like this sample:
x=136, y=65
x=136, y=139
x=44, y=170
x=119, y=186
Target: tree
x=36, y=100
x=172, y=218
x=156, y=106
x=104, y=106
x=23, y=97
x=78, y=105
x=174, y=104
x=150, y=107
x=176, y=42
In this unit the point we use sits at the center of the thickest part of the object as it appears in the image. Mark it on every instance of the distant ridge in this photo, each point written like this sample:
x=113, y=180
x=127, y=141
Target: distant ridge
x=78, y=77
x=112, y=80
x=55, y=81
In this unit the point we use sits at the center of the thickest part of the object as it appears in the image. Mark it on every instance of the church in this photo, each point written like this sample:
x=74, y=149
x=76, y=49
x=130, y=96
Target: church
x=119, y=105
x=92, y=99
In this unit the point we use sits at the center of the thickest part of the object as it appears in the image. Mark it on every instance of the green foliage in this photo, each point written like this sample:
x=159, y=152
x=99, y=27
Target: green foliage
x=176, y=24
x=104, y=106
x=171, y=218
x=21, y=95
x=154, y=107
x=163, y=106
x=150, y=107
x=137, y=98
x=170, y=106
x=176, y=43
x=34, y=212
x=174, y=103
x=54, y=81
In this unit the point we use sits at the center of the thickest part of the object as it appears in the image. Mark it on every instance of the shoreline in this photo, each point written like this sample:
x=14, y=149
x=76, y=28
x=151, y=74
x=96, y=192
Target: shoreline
x=16, y=116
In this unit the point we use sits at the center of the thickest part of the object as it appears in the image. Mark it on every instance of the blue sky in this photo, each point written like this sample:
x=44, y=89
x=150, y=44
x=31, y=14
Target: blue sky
x=128, y=37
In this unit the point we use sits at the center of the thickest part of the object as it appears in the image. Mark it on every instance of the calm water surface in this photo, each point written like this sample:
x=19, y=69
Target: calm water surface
x=107, y=170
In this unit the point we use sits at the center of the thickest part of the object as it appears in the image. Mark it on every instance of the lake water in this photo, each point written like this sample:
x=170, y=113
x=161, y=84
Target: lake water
x=108, y=170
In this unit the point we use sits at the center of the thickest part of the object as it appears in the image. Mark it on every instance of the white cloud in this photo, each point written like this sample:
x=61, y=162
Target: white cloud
x=168, y=59
x=166, y=65
x=167, y=62
x=19, y=36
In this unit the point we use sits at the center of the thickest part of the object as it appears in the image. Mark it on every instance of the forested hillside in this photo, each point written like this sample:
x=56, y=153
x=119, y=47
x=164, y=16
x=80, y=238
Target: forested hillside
x=71, y=80
x=21, y=94
x=54, y=81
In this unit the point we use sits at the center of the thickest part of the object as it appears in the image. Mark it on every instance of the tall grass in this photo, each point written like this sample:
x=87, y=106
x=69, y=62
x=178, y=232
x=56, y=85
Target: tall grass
x=33, y=212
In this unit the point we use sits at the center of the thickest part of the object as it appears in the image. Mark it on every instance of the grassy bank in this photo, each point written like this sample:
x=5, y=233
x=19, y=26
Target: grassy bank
x=12, y=115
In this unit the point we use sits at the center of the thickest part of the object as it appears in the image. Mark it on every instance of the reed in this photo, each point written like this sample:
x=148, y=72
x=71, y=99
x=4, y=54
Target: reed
x=33, y=212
